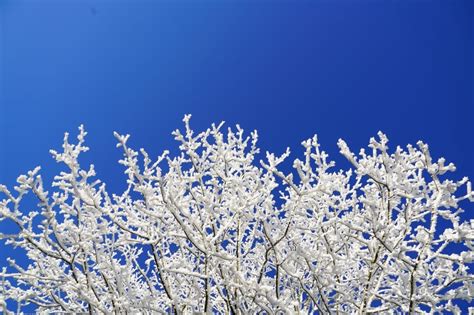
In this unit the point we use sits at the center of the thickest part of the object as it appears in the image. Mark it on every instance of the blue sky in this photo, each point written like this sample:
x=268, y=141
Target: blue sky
x=287, y=68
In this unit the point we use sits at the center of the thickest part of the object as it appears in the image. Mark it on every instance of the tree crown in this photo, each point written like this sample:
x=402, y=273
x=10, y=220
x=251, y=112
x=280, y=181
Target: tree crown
x=214, y=230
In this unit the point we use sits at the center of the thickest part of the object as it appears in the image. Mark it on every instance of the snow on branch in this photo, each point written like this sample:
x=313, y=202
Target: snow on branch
x=213, y=230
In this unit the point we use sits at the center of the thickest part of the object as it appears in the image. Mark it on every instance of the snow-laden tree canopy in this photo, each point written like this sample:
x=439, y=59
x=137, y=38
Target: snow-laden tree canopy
x=213, y=230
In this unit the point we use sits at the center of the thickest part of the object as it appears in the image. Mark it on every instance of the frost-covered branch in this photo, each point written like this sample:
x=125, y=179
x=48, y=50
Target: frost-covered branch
x=213, y=230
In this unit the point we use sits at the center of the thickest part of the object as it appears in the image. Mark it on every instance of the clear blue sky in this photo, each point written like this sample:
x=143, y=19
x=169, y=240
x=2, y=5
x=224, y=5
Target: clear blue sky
x=287, y=68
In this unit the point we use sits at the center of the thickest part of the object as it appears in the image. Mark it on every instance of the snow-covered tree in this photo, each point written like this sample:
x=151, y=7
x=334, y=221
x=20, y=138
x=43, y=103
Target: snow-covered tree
x=212, y=230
